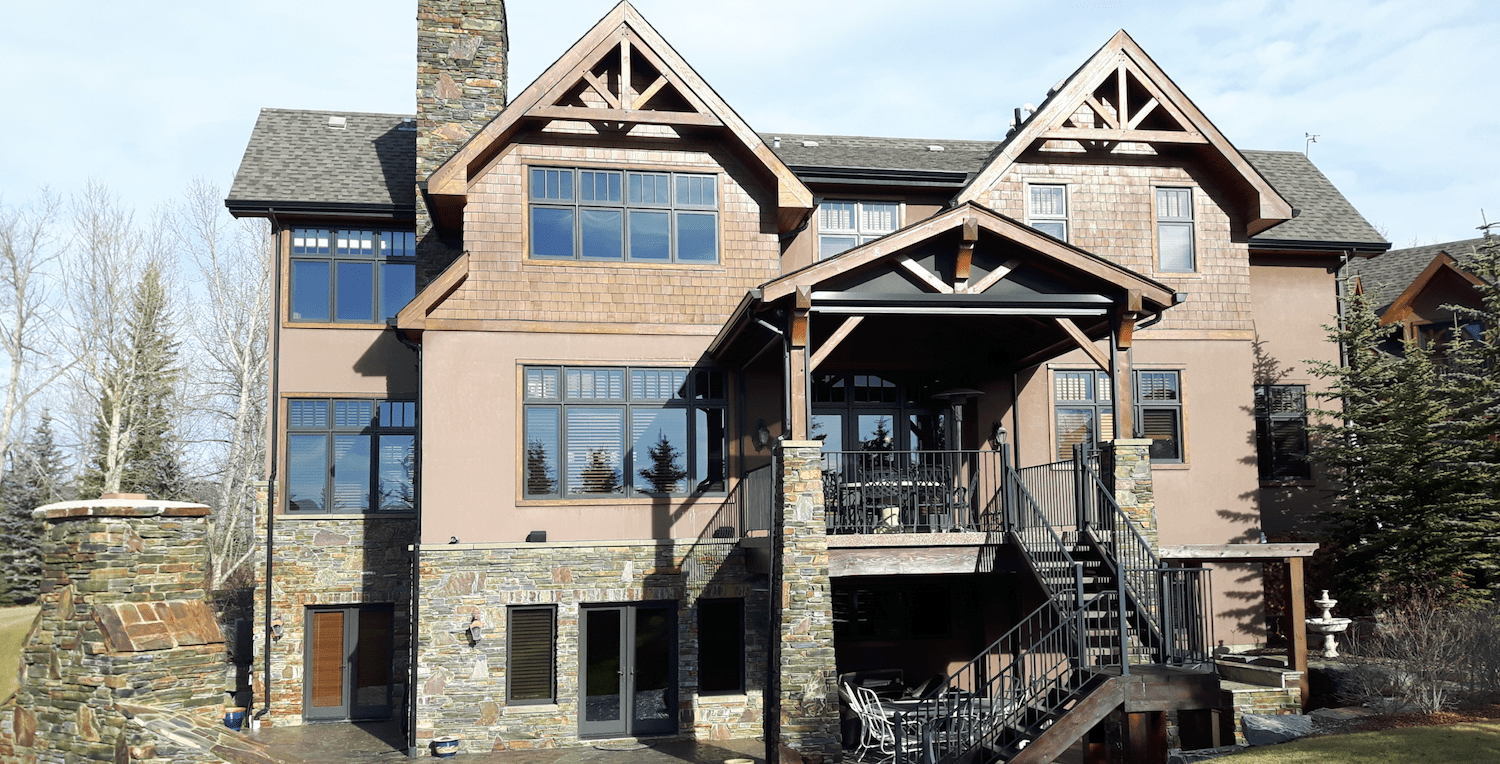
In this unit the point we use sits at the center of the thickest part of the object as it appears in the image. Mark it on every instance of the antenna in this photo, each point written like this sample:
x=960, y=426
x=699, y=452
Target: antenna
x=1487, y=224
x=1311, y=139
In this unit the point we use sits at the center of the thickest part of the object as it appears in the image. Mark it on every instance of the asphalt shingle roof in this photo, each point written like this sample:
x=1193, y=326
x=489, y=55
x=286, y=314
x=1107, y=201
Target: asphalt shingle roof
x=866, y=152
x=294, y=156
x=1386, y=276
x=1324, y=214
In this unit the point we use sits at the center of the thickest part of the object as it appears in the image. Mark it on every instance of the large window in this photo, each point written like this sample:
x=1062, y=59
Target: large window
x=1085, y=412
x=596, y=432
x=651, y=217
x=867, y=412
x=531, y=651
x=1047, y=209
x=844, y=225
x=1281, y=447
x=350, y=455
x=721, y=646
x=1174, y=230
x=351, y=276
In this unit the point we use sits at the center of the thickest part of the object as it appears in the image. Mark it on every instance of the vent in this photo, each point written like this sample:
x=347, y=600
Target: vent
x=809, y=144
x=407, y=124
x=338, y=123
x=935, y=147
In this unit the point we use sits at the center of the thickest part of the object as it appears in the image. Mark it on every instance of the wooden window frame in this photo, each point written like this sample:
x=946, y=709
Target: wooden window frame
x=577, y=205
x=1191, y=221
x=511, y=660
x=1032, y=218
x=1101, y=381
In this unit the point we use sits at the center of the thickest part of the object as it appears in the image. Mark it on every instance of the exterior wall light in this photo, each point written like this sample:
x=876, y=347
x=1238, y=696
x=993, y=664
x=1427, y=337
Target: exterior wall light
x=476, y=628
x=277, y=628
x=762, y=436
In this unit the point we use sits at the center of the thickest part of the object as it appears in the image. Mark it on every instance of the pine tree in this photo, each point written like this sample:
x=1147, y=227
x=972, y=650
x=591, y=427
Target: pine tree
x=663, y=476
x=32, y=479
x=539, y=479
x=598, y=476
x=1393, y=527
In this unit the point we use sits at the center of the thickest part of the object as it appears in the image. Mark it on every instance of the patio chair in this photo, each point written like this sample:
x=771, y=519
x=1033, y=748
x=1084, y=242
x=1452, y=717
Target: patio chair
x=879, y=730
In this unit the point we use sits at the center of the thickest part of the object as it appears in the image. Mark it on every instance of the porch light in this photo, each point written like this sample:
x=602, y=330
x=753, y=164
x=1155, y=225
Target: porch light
x=277, y=628
x=476, y=628
x=762, y=436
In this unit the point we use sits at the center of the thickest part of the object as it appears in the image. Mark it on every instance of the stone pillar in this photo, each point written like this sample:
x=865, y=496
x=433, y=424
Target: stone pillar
x=123, y=620
x=1134, y=492
x=802, y=714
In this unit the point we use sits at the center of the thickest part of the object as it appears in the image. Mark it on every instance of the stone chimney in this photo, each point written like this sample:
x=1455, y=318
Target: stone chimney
x=461, y=59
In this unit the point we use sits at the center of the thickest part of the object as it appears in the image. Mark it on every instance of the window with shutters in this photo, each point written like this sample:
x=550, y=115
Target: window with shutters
x=721, y=646
x=653, y=217
x=1047, y=209
x=1281, y=447
x=1084, y=411
x=348, y=456
x=531, y=650
x=594, y=432
x=844, y=225
x=1175, y=252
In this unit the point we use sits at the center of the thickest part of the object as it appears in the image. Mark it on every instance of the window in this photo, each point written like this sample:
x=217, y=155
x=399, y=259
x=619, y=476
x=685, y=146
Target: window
x=880, y=611
x=352, y=276
x=1174, y=230
x=721, y=646
x=350, y=455
x=614, y=431
x=1085, y=412
x=1281, y=447
x=1047, y=209
x=530, y=647
x=867, y=412
x=846, y=225
x=602, y=215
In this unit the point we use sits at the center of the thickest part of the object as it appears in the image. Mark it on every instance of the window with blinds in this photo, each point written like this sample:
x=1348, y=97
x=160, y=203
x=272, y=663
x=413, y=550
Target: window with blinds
x=1158, y=405
x=1047, y=209
x=602, y=431
x=1281, y=446
x=351, y=456
x=1084, y=413
x=1174, y=231
x=844, y=225
x=531, y=649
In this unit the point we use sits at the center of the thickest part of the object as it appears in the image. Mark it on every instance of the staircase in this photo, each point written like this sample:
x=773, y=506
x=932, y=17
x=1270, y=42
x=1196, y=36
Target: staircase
x=1111, y=605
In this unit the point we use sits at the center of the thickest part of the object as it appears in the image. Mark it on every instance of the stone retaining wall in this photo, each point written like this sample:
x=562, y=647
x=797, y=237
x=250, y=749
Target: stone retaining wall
x=462, y=688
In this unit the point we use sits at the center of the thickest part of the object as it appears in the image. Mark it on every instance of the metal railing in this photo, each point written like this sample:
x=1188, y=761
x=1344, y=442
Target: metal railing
x=910, y=491
x=748, y=507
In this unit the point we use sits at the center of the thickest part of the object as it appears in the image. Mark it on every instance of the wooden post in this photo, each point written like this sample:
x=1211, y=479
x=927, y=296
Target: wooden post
x=1296, y=626
x=798, y=365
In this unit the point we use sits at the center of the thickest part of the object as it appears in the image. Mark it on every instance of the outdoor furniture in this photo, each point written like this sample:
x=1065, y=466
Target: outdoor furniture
x=886, y=735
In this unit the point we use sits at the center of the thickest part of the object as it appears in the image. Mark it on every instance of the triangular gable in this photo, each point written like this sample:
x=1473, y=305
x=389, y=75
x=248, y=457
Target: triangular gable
x=414, y=315
x=1121, y=96
x=621, y=73
x=972, y=218
x=1401, y=308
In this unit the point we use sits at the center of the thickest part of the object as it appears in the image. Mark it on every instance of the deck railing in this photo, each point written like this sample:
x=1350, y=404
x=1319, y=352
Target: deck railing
x=912, y=491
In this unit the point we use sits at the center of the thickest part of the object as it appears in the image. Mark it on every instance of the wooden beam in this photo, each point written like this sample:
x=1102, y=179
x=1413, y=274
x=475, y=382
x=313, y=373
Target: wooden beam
x=1120, y=105
x=625, y=70
x=833, y=341
x=645, y=116
x=993, y=277
x=1140, y=115
x=600, y=88
x=965, y=259
x=1133, y=300
x=1100, y=110
x=650, y=91
x=1123, y=379
x=1083, y=341
x=927, y=277
x=1296, y=624
x=798, y=370
x=1133, y=136
x=1125, y=335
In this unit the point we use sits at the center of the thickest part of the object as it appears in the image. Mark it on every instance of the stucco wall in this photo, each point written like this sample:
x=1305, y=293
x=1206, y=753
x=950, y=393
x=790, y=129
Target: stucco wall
x=335, y=361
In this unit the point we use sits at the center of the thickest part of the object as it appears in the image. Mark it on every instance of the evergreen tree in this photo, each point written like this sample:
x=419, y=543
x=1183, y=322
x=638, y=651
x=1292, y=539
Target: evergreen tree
x=539, y=478
x=32, y=479
x=599, y=475
x=663, y=476
x=1393, y=524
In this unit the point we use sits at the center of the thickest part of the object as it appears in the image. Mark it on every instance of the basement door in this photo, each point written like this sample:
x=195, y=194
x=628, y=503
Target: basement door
x=626, y=670
x=349, y=659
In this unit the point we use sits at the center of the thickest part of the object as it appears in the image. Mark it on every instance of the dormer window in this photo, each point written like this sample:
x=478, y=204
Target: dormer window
x=604, y=215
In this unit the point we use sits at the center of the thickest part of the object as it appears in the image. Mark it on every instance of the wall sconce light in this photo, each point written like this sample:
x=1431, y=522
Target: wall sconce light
x=762, y=436
x=997, y=435
x=277, y=628
x=476, y=628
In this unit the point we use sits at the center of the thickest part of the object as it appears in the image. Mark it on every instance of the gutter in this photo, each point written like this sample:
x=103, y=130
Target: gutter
x=272, y=489
x=257, y=208
x=1355, y=248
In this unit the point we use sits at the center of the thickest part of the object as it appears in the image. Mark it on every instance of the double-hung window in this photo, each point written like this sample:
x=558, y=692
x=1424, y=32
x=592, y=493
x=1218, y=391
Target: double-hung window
x=613, y=215
x=1281, y=447
x=615, y=431
x=1084, y=411
x=844, y=225
x=1047, y=209
x=1174, y=231
x=350, y=455
x=351, y=276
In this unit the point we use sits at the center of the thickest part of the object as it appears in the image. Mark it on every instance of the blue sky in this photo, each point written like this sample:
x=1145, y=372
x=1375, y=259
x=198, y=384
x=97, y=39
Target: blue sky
x=1405, y=95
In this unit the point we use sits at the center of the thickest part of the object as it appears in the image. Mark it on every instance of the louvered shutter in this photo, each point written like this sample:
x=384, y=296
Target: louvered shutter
x=532, y=655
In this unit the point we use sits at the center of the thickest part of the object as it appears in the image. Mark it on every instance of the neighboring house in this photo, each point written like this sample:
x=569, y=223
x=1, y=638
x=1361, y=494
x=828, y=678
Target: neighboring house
x=635, y=421
x=1413, y=287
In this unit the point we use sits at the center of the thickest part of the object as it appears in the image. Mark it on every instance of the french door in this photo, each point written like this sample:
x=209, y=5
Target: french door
x=627, y=672
x=349, y=663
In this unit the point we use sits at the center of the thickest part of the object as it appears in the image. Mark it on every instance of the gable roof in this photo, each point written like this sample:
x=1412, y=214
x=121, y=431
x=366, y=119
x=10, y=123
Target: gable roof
x=1166, y=116
x=1323, y=214
x=296, y=162
x=684, y=101
x=868, y=159
x=1385, y=277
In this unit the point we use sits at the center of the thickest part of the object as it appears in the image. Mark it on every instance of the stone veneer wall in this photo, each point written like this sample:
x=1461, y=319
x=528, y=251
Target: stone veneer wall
x=462, y=685
x=802, y=712
x=327, y=560
x=1134, y=492
x=123, y=619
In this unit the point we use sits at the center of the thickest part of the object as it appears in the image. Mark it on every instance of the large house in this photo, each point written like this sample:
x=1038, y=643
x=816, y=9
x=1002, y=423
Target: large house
x=599, y=414
x=1416, y=287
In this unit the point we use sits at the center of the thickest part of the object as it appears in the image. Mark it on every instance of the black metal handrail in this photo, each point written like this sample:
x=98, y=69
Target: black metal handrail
x=910, y=491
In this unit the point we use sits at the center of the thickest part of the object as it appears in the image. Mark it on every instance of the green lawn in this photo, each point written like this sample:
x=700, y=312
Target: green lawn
x=1468, y=743
x=14, y=623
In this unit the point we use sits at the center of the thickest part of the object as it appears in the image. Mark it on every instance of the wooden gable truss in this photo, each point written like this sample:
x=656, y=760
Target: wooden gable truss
x=622, y=73
x=1118, y=100
x=1404, y=308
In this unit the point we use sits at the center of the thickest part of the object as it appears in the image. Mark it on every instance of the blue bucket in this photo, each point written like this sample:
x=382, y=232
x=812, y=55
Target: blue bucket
x=234, y=719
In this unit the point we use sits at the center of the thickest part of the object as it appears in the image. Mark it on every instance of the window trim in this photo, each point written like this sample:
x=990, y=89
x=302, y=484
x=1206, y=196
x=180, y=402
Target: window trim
x=1065, y=218
x=1138, y=406
x=1265, y=464
x=861, y=236
x=510, y=656
x=285, y=244
x=671, y=207
x=1191, y=221
x=284, y=500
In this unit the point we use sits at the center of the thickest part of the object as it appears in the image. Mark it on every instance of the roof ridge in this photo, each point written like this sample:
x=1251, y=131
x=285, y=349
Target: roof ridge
x=336, y=111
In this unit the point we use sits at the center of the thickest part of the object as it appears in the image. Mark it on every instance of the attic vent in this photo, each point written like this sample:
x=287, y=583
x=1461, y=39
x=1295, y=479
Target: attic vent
x=407, y=124
x=338, y=123
x=935, y=147
x=809, y=144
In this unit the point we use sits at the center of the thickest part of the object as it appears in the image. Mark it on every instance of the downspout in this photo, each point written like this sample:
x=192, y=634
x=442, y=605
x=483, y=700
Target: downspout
x=1338, y=295
x=271, y=487
x=412, y=749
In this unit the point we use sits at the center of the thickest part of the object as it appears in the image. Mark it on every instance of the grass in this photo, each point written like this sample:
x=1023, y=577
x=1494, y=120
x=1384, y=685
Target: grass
x=14, y=623
x=1469, y=742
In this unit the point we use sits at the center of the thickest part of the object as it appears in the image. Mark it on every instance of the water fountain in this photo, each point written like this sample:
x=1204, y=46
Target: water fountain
x=1327, y=625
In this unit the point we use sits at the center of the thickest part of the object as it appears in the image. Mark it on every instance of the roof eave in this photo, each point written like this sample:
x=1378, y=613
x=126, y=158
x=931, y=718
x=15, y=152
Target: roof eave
x=247, y=208
x=1357, y=248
